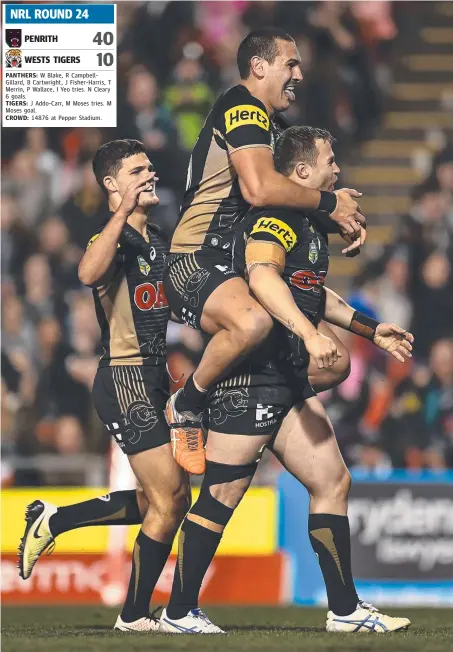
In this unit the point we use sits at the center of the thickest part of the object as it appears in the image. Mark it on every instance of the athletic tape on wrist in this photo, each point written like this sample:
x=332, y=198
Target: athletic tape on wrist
x=328, y=201
x=363, y=325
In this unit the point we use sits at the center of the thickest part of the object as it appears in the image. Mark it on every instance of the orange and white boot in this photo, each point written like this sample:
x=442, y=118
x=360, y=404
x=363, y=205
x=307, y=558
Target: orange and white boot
x=186, y=437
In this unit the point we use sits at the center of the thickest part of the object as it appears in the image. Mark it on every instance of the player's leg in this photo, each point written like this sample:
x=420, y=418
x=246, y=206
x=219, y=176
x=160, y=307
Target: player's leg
x=165, y=485
x=205, y=292
x=324, y=379
x=321, y=469
x=130, y=401
x=232, y=460
x=44, y=521
x=121, y=476
x=220, y=304
x=230, y=467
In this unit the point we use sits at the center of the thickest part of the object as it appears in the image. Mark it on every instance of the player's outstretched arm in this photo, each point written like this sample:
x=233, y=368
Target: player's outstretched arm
x=96, y=266
x=275, y=296
x=388, y=337
x=262, y=185
x=337, y=311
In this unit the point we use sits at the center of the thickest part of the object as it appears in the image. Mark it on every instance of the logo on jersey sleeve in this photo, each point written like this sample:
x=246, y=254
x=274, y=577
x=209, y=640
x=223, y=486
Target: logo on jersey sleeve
x=246, y=114
x=95, y=237
x=279, y=229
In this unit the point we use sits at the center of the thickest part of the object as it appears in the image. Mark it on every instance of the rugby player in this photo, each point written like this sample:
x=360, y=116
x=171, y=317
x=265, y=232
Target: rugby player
x=231, y=168
x=268, y=400
x=124, y=265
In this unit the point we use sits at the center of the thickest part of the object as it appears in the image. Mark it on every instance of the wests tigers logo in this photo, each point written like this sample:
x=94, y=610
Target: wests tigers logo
x=308, y=280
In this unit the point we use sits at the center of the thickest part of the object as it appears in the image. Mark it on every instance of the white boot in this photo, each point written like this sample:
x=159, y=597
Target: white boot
x=145, y=624
x=365, y=619
x=196, y=622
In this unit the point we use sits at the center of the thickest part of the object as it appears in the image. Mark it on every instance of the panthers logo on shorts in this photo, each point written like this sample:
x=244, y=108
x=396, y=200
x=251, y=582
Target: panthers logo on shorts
x=142, y=415
x=193, y=286
x=234, y=403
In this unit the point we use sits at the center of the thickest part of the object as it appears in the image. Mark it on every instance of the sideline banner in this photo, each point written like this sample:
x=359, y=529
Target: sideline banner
x=252, y=531
x=83, y=579
x=401, y=537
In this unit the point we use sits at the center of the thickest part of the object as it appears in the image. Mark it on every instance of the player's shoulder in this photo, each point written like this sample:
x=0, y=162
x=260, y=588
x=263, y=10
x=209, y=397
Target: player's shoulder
x=238, y=107
x=155, y=232
x=239, y=95
x=278, y=224
x=279, y=215
x=96, y=233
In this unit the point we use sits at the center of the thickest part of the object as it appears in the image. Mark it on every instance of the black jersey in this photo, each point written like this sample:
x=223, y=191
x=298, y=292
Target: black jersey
x=213, y=202
x=132, y=309
x=305, y=242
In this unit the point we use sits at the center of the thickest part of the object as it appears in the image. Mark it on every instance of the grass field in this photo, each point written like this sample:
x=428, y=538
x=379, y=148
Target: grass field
x=68, y=629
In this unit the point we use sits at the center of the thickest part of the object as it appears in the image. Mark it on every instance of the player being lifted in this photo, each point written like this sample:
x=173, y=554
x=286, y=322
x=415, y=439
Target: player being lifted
x=268, y=400
x=231, y=168
x=124, y=265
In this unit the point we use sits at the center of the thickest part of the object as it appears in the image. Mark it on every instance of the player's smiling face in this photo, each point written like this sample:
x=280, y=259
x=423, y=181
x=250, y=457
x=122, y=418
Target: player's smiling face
x=131, y=167
x=324, y=175
x=283, y=76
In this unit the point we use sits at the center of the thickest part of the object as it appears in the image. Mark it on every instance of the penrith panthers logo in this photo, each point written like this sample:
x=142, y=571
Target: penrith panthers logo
x=13, y=38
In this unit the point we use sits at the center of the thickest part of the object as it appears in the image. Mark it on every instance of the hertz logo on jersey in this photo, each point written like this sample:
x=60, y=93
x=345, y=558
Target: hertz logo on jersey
x=95, y=237
x=279, y=229
x=246, y=114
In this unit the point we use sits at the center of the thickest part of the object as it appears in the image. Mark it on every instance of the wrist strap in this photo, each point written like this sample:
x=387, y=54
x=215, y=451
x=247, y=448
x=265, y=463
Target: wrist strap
x=328, y=201
x=363, y=325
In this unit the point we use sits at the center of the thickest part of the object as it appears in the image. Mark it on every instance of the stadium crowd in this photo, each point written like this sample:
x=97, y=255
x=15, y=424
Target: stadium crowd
x=174, y=58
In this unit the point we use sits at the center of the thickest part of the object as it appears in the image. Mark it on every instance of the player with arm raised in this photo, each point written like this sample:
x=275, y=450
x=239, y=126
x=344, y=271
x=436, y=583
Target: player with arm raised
x=231, y=168
x=268, y=401
x=124, y=264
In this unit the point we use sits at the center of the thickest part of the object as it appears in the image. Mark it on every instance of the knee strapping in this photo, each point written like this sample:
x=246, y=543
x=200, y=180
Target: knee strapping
x=209, y=507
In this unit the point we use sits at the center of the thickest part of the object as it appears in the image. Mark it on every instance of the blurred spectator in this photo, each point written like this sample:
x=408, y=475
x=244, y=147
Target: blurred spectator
x=443, y=174
x=151, y=122
x=47, y=161
x=69, y=438
x=17, y=241
x=86, y=209
x=17, y=331
x=29, y=185
x=42, y=297
x=341, y=86
x=433, y=288
x=428, y=223
x=63, y=255
x=420, y=422
x=391, y=291
x=189, y=98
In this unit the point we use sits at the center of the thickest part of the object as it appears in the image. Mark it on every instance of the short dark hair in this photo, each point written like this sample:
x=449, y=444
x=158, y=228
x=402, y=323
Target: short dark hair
x=260, y=43
x=108, y=159
x=298, y=144
x=427, y=187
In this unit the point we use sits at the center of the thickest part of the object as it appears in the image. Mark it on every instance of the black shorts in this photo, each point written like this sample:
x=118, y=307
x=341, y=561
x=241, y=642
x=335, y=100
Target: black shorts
x=189, y=279
x=130, y=401
x=254, y=409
